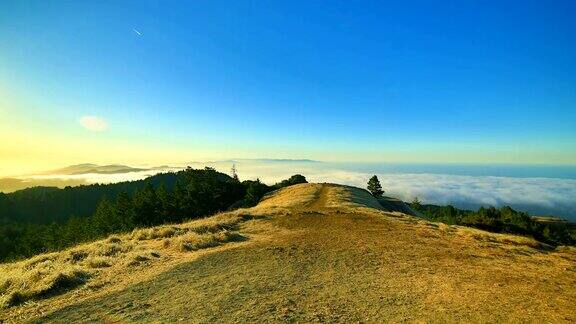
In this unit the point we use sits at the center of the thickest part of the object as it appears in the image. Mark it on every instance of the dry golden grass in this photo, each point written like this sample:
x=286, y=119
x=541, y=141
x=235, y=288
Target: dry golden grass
x=313, y=253
x=350, y=197
x=289, y=197
x=50, y=274
x=316, y=195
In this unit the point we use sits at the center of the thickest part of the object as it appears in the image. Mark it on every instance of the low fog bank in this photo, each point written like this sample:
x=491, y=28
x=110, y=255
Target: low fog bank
x=536, y=195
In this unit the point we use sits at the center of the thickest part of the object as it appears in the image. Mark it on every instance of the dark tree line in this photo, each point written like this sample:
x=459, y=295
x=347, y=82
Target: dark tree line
x=187, y=194
x=502, y=220
x=44, y=205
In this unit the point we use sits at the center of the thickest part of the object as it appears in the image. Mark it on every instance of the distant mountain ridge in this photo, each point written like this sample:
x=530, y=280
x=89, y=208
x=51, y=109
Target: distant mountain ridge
x=87, y=168
x=63, y=177
x=257, y=160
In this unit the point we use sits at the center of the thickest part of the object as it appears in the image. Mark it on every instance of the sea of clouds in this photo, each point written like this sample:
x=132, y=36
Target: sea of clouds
x=539, y=196
x=536, y=195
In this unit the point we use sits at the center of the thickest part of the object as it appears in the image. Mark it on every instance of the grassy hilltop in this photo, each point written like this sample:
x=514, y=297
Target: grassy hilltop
x=308, y=252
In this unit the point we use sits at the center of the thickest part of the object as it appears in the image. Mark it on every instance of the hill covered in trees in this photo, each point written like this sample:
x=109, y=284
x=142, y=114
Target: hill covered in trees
x=44, y=205
x=45, y=219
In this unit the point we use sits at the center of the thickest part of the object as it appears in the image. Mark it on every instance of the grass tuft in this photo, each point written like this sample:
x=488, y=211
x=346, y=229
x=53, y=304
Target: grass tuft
x=194, y=241
x=98, y=262
x=78, y=255
x=40, y=283
x=114, y=239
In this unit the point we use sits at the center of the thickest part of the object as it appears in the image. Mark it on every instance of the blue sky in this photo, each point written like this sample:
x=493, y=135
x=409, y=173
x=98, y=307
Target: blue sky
x=413, y=81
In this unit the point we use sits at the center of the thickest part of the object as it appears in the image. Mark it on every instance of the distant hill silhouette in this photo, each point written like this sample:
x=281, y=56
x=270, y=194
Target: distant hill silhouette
x=95, y=168
x=14, y=184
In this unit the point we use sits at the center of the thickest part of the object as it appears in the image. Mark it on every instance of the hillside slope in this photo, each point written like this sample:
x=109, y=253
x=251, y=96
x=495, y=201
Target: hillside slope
x=314, y=252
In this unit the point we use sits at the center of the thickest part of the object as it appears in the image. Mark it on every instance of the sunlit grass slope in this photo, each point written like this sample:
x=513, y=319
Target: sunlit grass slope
x=103, y=262
x=309, y=252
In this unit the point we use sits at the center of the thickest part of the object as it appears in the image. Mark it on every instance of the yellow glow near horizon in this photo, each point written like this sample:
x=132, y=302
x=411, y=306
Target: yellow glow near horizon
x=27, y=152
x=31, y=142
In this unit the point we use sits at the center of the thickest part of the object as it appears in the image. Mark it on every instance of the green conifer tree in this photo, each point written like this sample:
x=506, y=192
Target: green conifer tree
x=374, y=187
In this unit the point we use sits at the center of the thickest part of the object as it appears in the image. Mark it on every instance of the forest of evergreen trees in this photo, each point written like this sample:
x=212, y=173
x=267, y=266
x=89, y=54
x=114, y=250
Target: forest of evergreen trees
x=44, y=205
x=38, y=220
